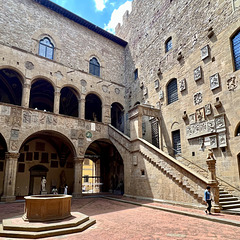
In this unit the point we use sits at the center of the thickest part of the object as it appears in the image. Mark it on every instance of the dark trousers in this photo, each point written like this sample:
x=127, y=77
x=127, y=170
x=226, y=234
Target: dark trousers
x=209, y=205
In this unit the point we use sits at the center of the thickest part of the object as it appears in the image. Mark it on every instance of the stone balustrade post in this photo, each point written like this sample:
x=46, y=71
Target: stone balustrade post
x=11, y=160
x=211, y=162
x=78, y=168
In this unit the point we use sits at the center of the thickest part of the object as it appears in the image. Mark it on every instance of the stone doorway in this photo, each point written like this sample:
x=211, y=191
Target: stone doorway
x=107, y=171
x=36, y=174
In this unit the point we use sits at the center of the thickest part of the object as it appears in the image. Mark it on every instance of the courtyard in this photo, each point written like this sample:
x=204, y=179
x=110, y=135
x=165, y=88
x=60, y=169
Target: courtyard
x=118, y=219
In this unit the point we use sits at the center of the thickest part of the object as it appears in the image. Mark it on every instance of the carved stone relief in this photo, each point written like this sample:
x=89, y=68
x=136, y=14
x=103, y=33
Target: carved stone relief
x=80, y=142
x=200, y=115
x=29, y=65
x=5, y=110
x=222, y=139
x=220, y=123
x=197, y=98
x=156, y=84
x=205, y=52
x=214, y=81
x=14, y=134
x=192, y=118
x=14, y=145
x=105, y=88
x=117, y=90
x=200, y=128
x=74, y=134
x=161, y=94
x=197, y=73
x=182, y=85
x=98, y=127
x=83, y=83
x=213, y=141
x=208, y=109
x=59, y=75
x=232, y=83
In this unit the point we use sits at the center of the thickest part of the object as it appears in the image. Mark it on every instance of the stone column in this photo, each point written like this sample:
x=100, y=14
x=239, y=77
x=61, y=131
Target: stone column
x=78, y=166
x=26, y=95
x=106, y=114
x=10, y=177
x=135, y=126
x=214, y=184
x=56, y=101
x=81, y=107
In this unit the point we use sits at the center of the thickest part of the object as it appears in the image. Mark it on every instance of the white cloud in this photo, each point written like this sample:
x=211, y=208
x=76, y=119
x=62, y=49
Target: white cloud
x=117, y=15
x=100, y=4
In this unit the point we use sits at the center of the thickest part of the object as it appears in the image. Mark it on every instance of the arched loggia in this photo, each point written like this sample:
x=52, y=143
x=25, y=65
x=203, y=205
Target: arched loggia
x=117, y=116
x=10, y=87
x=93, y=108
x=42, y=95
x=69, y=102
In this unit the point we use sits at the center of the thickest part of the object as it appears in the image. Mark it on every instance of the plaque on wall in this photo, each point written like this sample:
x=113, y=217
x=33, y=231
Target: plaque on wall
x=220, y=123
x=232, y=83
x=161, y=94
x=197, y=73
x=200, y=115
x=156, y=84
x=213, y=141
x=197, y=98
x=222, y=139
x=214, y=81
x=208, y=109
x=182, y=85
x=192, y=118
x=205, y=52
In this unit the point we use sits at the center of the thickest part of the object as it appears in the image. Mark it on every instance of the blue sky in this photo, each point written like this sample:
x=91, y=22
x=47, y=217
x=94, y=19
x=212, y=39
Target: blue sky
x=103, y=13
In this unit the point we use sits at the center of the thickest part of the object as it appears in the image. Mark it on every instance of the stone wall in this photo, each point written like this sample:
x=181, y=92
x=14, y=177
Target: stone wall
x=194, y=27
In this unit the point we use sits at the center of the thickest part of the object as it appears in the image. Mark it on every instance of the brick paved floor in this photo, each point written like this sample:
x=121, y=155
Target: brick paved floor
x=122, y=221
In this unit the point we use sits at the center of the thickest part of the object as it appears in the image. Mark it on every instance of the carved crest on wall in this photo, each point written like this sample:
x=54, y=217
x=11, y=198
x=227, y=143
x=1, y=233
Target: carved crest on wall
x=192, y=118
x=214, y=81
x=208, y=109
x=197, y=73
x=200, y=114
x=205, y=52
x=182, y=85
x=197, y=98
x=222, y=139
x=161, y=94
x=232, y=83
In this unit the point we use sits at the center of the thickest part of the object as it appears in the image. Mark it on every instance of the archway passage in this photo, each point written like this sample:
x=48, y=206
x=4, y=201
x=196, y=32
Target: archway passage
x=93, y=108
x=10, y=87
x=69, y=102
x=3, y=150
x=42, y=95
x=103, y=169
x=117, y=116
x=45, y=154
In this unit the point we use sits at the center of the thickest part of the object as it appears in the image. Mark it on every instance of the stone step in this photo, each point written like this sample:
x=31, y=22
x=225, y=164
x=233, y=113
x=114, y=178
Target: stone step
x=230, y=202
x=225, y=199
x=48, y=233
x=230, y=206
x=225, y=195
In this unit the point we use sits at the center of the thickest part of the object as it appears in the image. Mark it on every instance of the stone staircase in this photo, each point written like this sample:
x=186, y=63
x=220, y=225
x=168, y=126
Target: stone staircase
x=190, y=177
x=227, y=200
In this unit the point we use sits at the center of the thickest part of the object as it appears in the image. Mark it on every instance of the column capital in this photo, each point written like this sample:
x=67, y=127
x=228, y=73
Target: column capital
x=78, y=159
x=12, y=155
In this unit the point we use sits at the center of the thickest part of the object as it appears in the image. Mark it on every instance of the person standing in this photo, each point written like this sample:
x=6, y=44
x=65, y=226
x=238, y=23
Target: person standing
x=208, y=199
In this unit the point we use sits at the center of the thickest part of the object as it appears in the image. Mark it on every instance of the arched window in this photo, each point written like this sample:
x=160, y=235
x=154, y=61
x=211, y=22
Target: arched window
x=236, y=50
x=46, y=48
x=94, y=67
x=172, y=91
x=168, y=44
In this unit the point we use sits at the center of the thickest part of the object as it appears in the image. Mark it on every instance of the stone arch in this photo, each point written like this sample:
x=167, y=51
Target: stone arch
x=117, y=116
x=14, y=69
x=237, y=130
x=93, y=107
x=42, y=95
x=69, y=101
x=111, y=166
x=51, y=150
x=11, y=86
x=175, y=126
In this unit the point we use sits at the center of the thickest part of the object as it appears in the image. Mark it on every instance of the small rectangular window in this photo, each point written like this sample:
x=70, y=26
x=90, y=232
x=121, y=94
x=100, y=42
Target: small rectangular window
x=136, y=74
x=168, y=45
